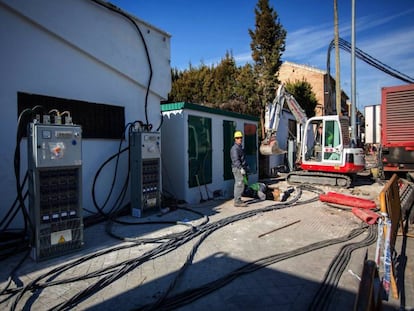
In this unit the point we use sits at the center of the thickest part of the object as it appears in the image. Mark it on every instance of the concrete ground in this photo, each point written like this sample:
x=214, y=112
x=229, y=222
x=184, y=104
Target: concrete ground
x=301, y=254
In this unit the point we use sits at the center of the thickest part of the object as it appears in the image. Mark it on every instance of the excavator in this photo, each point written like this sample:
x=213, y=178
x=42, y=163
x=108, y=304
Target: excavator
x=325, y=155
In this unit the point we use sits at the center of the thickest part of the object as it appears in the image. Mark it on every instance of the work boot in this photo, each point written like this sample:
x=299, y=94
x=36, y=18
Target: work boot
x=240, y=204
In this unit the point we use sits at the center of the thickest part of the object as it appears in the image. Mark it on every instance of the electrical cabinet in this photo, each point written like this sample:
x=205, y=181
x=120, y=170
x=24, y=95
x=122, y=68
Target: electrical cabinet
x=145, y=171
x=55, y=189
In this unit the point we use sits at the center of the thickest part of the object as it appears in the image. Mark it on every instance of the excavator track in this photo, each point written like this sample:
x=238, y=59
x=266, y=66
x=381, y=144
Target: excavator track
x=319, y=178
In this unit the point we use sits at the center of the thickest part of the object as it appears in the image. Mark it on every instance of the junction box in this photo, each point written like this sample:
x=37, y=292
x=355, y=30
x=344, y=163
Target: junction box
x=55, y=189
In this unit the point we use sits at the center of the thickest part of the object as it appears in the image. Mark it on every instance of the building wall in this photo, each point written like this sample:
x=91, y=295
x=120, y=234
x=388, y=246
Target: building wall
x=318, y=80
x=290, y=72
x=89, y=53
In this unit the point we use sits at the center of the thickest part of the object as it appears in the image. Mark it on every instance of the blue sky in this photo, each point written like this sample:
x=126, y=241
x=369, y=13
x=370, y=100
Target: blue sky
x=202, y=32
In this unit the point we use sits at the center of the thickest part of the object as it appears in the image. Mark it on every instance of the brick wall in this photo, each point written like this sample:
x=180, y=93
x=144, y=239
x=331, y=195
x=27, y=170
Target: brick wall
x=315, y=77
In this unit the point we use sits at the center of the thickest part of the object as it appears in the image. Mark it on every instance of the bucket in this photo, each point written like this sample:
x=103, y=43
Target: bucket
x=375, y=172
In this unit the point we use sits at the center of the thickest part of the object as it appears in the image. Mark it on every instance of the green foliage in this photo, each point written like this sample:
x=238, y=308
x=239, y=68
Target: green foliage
x=245, y=89
x=224, y=76
x=187, y=85
x=304, y=95
x=268, y=45
x=224, y=86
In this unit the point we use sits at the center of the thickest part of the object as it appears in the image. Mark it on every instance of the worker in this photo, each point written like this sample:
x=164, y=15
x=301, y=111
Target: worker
x=239, y=168
x=319, y=134
x=256, y=190
x=317, y=148
x=318, y=141
x=328, y=136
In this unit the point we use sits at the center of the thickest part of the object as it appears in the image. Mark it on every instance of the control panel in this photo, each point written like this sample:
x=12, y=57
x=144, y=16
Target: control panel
x=55, y=145
x=151, y=145
x=145, y=166
x=55, y=188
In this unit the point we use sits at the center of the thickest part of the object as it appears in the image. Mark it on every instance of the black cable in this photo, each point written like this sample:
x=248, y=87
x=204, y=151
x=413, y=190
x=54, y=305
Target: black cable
x=140, y=240
x=191, y=295
x=118, y=270
x=117, y=155
x=326, y=291
x=343, y=44
x=113, y=8
x=34, y=284
x=22, y=124
x=207, y=230
x=162, y=249
x=12, y=212
x=12, y=275
x=161, y=121
x=99, y=208
x=375, y=62
x=53, y=273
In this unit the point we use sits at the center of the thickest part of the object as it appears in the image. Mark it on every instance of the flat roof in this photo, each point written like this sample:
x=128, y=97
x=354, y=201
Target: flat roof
x=197, y=107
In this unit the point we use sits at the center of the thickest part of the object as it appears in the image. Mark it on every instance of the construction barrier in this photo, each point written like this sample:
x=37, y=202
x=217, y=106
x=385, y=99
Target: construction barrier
x=390, y=208
x=369, y=292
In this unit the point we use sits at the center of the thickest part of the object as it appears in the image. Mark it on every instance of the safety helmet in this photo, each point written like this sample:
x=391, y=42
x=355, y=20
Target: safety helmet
x=238, y=134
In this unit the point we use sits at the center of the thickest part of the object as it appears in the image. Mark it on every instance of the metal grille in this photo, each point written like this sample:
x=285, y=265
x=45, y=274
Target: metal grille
x=399, y=112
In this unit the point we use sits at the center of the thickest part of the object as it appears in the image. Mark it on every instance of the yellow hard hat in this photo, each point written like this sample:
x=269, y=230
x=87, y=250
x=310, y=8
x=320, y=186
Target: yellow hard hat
x=238, y=134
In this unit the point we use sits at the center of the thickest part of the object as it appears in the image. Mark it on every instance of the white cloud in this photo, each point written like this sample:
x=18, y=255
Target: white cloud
x=393, y=47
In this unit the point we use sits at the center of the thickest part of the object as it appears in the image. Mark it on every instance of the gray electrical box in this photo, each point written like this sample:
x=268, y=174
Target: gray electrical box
x=145, y=171
x=55, y=189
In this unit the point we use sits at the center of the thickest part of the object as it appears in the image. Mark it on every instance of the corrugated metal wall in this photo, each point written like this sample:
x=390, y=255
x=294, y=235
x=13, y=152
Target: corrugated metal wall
x=397, y=115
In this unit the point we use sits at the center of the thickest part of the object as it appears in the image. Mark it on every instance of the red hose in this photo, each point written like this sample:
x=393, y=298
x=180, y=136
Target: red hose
x=366, y=215
x=348, y=200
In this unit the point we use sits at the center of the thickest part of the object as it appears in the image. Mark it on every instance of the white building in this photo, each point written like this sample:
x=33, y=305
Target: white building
x=196, y=142
x=108, y=67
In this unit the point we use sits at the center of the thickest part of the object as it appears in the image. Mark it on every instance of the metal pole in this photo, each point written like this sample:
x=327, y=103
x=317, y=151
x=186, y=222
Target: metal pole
x=337, y=62
x=353, y=82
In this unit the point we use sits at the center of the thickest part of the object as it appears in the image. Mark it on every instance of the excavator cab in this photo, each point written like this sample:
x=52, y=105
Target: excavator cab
x=326, y=146
x=327, y=157
x=323, y=140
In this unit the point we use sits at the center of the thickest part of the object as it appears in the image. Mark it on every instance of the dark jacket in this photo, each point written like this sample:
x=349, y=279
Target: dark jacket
x=238, y=158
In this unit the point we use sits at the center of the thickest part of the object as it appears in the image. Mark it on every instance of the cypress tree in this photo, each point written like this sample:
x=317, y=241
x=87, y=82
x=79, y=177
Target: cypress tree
x=267, y=45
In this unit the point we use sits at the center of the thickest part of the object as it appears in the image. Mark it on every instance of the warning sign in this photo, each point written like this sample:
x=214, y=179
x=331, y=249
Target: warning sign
x=60, y=237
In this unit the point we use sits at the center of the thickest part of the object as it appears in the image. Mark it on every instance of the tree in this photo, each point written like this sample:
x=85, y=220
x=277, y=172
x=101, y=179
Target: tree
x=224, y=77
x=245, y=90
x=190, y=85
x=304, y=95
x=268, y=45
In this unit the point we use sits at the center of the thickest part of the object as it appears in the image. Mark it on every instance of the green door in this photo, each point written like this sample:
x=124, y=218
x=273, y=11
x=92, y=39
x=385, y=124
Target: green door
x=250, y=146
x=228, y=131
x=199, y=151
